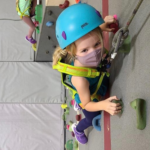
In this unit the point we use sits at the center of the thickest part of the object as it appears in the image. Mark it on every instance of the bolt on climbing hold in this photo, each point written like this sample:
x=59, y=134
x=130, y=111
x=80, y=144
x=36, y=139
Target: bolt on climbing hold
x=64, y=106
x=72, y=133
x=78, y=117
x=96, y=122
x=49, y=23
x=50, y=12
x=65, y=5
x=140, y=106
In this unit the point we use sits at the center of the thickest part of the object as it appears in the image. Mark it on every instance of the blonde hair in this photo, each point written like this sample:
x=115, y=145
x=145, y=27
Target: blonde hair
x=69, y=57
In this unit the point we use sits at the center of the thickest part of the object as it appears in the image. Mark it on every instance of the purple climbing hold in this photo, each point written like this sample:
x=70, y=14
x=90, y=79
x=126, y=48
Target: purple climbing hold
x=64, y=35
x=98, y=13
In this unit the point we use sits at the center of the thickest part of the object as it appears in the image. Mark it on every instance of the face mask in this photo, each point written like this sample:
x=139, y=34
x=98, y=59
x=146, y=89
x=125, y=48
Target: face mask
x=90, y=60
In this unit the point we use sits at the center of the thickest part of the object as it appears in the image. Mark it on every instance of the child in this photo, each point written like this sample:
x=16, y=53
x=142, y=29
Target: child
x=81, y=45
x=25, y=11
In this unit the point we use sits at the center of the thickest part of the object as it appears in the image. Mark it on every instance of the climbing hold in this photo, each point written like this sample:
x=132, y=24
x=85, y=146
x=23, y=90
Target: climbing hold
x=50, y=12
x=115, y=17
x=98, y=13
x=115, y=25
x=64, y=35
x=78, y=1
x=140, y=106
x=47, y=52
x=96, y=122
x=64, y=106
x=39, y=13
x=78, y=117
x=49, y=23
x=71, y=103
x=70, y=123
x=126, y=47
x=64, y=117
x=72, y=133
x=121, y=103
x=36, y=23
x=70, y=128
x=67, y=111
x=34, y=47
x=65, y=5
x=76, y=145
x=69, y=145
x=37, y=30
x=67, y=126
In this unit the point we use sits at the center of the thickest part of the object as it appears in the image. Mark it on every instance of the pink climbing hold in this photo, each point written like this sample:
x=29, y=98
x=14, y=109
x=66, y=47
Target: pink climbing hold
x=72, y=102
x=115, y=25
x=67, y=126
x=64, y=35
x=115, y=17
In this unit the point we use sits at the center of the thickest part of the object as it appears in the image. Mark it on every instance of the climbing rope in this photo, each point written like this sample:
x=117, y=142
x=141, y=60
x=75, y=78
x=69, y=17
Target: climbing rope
x=122, y=34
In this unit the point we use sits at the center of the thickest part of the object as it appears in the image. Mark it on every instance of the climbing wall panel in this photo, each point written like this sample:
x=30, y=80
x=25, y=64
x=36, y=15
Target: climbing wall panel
x=130, y=77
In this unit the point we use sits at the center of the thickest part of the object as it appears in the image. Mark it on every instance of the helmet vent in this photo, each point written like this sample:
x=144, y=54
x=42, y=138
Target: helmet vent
x=98, y=13
x=64, y=35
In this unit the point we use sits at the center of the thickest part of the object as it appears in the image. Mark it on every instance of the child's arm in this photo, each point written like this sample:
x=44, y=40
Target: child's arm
x=105, y=26
x=82, y=86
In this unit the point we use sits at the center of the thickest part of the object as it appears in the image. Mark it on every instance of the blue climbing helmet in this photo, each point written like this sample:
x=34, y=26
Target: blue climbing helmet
x=76, y=21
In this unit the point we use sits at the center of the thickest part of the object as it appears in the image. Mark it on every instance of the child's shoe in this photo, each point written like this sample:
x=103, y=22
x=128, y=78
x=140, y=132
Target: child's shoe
x=76, y=106
x=80, y=136
x=31, y=40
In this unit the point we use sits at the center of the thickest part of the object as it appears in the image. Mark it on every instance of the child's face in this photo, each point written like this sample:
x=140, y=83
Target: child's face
x=87, y=43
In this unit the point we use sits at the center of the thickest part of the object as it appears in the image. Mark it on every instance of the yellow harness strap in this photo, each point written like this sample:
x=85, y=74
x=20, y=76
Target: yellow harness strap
x=94, y=95
x=22, y=13
x=98, y=85
x=76, y=71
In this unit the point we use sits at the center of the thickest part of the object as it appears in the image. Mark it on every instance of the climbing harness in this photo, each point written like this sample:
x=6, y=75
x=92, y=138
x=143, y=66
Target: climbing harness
x=23, y=13
x=66, y=69
x=121, y=35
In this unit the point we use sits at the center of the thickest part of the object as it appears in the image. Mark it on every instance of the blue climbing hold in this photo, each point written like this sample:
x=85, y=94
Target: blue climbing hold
x=49, y=24
x=96, y=122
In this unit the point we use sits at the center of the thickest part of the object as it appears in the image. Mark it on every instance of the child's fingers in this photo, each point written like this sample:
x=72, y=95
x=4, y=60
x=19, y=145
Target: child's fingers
x=112, y=98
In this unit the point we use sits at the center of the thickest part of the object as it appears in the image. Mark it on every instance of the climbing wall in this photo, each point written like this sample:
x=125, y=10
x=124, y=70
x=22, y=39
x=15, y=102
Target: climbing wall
x=130, y=76
x=47, y=41
x=129, y=80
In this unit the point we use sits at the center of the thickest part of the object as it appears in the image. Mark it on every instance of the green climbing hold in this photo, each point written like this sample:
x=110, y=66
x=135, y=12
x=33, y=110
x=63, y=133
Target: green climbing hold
x=140, y=106
x=67, y=111
x=69, y=145
x=64, y=117
x=70, y=124
x=38, y=13
x=37, y=30
x=126, y=47
x=76, y=145
x=121, y=103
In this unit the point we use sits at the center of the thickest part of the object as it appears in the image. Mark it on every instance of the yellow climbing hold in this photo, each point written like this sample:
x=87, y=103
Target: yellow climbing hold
x=64, y=106
x=34, y=47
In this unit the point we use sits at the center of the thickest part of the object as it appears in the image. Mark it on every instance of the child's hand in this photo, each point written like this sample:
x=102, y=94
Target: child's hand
x=112, y=108
x=108, y=20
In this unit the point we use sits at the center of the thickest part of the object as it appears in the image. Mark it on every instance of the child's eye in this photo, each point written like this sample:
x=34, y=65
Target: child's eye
x=85, y=50
x=97, y=44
